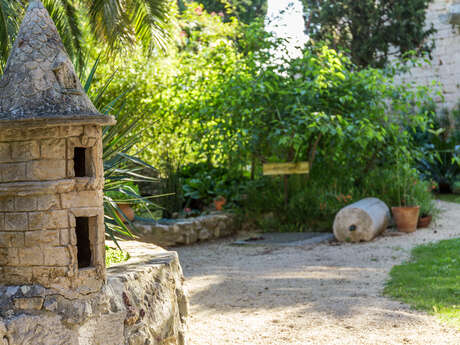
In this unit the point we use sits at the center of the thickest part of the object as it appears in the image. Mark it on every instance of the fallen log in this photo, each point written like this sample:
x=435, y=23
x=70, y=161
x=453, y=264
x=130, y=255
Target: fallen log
x=361, y=221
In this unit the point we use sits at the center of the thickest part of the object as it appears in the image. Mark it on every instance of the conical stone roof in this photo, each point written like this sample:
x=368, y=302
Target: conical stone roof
x=39, y=84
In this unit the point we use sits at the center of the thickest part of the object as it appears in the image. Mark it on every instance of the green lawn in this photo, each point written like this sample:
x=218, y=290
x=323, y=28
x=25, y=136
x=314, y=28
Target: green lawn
x=449, y=197
x=430, y=281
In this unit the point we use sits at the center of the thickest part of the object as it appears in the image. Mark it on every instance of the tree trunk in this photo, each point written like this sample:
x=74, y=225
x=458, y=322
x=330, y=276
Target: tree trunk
x=362, y=221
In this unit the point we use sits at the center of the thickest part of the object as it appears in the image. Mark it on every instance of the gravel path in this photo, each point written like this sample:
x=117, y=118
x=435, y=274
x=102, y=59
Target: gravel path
x=321, y=294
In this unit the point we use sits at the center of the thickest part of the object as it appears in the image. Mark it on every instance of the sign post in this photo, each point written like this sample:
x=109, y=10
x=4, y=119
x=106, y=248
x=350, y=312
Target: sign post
x=285, y=169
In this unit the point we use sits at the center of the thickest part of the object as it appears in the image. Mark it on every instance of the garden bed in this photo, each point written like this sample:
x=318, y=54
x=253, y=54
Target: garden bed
x=174, y=232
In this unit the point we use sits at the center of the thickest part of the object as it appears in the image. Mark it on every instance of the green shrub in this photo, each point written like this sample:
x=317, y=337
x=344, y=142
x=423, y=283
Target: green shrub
x=441, y=149
x=202, y=183
x=115, y=256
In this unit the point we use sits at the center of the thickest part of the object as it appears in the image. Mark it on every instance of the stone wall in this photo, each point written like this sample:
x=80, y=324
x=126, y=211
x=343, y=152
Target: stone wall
x=189, y=230
x=445, y=65
x=142, y=303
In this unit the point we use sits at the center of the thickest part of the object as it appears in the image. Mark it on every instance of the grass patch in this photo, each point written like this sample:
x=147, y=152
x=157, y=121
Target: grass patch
x=449, y=197
x=430, y=281
x=114, y=256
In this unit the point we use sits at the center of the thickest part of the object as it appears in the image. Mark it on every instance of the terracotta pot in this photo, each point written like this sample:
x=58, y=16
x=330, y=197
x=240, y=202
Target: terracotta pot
x=219, y=203
x=424, y=222
x=406, y=217
x=127, y=210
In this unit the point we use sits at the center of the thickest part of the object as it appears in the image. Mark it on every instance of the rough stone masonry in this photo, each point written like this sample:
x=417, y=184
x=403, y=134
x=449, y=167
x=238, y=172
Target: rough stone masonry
x=53, y=284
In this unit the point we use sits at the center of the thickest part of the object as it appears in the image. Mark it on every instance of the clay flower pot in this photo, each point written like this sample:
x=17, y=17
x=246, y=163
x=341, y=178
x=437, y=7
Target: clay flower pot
x=406, y=218
x=424, y=222
x=127, y=210
x=219, y=203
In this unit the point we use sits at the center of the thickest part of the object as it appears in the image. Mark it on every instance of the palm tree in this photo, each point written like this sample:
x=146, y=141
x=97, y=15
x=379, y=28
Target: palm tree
x=117, y=23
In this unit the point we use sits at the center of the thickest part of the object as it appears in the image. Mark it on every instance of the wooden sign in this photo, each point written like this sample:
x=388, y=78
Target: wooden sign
x=286, y=168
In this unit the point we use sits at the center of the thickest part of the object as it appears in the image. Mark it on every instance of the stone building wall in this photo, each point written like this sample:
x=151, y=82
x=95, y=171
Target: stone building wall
x=39, y=201
x=445, y=65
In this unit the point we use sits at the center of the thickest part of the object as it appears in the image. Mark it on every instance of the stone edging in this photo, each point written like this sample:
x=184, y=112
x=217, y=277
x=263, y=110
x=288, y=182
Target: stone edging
x=142, y=302
x=189, y=230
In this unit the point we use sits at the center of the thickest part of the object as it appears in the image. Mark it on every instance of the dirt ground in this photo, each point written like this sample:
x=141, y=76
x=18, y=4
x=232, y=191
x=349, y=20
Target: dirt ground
x=320, y=294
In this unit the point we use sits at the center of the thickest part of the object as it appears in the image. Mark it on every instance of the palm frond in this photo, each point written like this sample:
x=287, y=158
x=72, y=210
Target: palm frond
x=120, y=168
x=124, y=22
x=150, y=19
x=10, y=12
x=118, y=23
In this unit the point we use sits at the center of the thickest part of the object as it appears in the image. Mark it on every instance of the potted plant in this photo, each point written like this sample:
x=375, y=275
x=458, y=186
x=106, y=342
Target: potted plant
x=407, y=213
x=219, y=202
x=123, y=200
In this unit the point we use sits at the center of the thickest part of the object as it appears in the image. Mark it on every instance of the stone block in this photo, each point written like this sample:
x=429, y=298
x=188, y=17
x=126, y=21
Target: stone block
x=16, y=275
x=2, y=222
x=53, y=149
x=46, y=169
x=44, y=237
x=51, y=303
x=9, y=256
x=204, y=234
x=93, y=131
x=98, y=149
x=73, y=237
x=91, y=142
x=29, y=303
x=16, y=221
x=90, y=280
x=56, y=256
x=3, y=256
x=25, y=150
x=71, y=131
x=25, y=203
x=11, y=239
x=11, y=134
x=70, y=168
x=47, y=202
x=7, y=204
x=37, y=220
x=42, y=133
x=5, y=153
x=86, y=212
x=64, y=237
x=13, y=172
x=84, y=140
x=57, y=219
x=31, y=256
x=82, y=199
x=99, y=255
x=46, y=275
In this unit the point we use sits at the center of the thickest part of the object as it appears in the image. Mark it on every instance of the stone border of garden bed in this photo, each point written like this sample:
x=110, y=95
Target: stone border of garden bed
x=187, y=231
x=142, y=302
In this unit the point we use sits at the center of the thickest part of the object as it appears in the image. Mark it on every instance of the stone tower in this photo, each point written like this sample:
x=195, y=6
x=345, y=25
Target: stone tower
x=51, y=170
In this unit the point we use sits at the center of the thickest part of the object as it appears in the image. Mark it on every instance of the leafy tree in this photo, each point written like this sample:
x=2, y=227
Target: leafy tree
x=245, y=10
x=118, y=23
x=370, y=30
